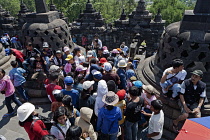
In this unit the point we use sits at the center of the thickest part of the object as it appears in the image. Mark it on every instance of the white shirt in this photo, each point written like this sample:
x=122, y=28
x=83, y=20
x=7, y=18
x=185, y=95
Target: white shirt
x=156, y=123
x=180, y=76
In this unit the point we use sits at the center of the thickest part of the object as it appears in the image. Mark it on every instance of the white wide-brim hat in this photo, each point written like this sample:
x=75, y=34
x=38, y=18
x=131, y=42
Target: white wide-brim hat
x=122, y=63
x=24, y=111
x=110, y=98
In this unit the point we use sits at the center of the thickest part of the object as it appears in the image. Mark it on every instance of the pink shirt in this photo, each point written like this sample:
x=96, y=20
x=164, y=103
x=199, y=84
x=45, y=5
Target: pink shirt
x=6, y=84
x=143, y=95
x=67, y=67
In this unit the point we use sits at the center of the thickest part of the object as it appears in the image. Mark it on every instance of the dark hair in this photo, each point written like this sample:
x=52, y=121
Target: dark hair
x=112, y=63
x=157, y=104
x=109, y=107
x=134, y=91
x=73, y=133
x=177, y=63
x=106, y=55
x=14, y=63
x=49, y=137
x=85, y=64
x=72, y=74
x=110, y=58
x=61, y=111
x=130, y=59
x=3, y=71
x=53, y=76
x=58, y=97
x=112, y=86
x=29, y=44
x=93, y=61
x=78, y=79
x=67, y=101
x=29, y=119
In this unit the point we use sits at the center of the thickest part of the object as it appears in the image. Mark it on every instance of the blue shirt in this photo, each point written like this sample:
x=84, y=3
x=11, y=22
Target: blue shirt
x=16, y=74
x=108, y=120
x=121, y=73
x=74, y=95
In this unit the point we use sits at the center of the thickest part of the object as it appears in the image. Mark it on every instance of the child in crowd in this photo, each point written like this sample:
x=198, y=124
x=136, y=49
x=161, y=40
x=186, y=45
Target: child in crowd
x=58, y=60
x=66, y=51
x=52, y=86
x=78, y=83
x=130, y=82
x=68, y=65
x=80, y=70
x=58, y=96
x=47, y=54
x=7, y=88
x=155, y=129
x=122, y=105
x=61, y=123
x=148, y=95
x=70, y=91
x=73, y=112
x=16, y=76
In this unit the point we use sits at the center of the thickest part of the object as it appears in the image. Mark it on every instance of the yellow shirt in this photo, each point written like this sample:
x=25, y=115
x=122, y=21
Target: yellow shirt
x=122, y=105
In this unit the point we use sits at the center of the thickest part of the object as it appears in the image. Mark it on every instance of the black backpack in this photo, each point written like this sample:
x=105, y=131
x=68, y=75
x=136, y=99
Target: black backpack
x=47, y=122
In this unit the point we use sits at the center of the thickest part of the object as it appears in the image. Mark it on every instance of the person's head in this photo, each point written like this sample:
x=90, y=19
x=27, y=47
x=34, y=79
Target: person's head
x=156, y=106
x=58, y=54
x=81, y=69
x=100, y=50
x=149, y=90
x=93, y=61
x=29, y=46
x=122, y=64
x=68, y=80
x=90, y=55
x=25, y=111
x=97, y=76
x=79, y=79
x=67, y=101
x=133, y=78
x=130, y=66
x=102, y=61
x=14, y=64
x=178, y=65
x=121, y=94
x=53, y=77
x=45, y=46
x=88, y=85
x=139, y=85
x=110, y=99
x=38, y=57
x=133, y=91
x=96, y=36
x=49, y=137
x=76, y=51
x=107, y=67
x=70, y=59
x=60, y=115
x=66, y=50
x=111, y=86
x=73, y=133
x=58, y=94
x=196, y=76
x=2, y=73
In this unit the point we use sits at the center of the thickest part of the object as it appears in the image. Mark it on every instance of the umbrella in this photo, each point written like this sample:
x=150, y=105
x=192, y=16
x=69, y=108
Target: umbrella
x=195, y=129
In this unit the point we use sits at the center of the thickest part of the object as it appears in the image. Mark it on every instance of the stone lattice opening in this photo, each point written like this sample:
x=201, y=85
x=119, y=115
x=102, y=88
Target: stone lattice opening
x=46, y=32
x=179, y=43
x=60, y=36
x=207, y=66
x=201, y=56
x=209, y=46
x=57, y=44
x=184, y=53
x=172, y=49
x=55, y=31
x=42, y=39
x=51, y=38
x=191, y=65
x=32, y=39
x=65, y=41
x=35, y=33
x=194, y=46
x=28, y=33
x=66, y=34
x=163, y=56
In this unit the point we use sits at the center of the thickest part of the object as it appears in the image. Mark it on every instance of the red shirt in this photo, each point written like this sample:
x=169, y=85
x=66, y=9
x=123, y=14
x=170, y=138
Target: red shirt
x=19, y=55
x=36, y=132
x=49, y=90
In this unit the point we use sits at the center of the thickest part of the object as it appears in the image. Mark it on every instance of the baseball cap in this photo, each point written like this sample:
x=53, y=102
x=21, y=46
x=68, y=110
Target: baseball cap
x=69, y=57
x=107, y=66
x=80, y=68
x=66, y=48
x=90, y=53
x=138, y=84
x=103, y=60
x=121, y=94
x=45, y=45
x=106, y=52
x=97, y=75
x=58, y=51
x=87, y=84
x=68, y=80
x=82, y=59
x=198, y=73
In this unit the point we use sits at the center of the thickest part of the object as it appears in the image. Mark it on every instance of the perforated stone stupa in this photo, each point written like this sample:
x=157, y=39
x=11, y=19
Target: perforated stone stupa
x=46, y=26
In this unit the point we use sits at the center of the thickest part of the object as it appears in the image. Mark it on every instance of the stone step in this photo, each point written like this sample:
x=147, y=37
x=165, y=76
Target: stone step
x=36, y=93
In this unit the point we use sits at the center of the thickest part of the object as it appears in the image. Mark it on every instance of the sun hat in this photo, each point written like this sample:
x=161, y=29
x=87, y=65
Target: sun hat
x=69, y=57
x=104, y=48
x=97, y=75
x=88, y=84
x=68, y=80
x=121, y=94
x=115, y=51
x=106, y=52
x=24, y=111
x=102, y=60
x=54, y=68
x=107, y=66
x=56, y=91
x=45, y=45
x=110, y=98
x=122, y=63
x=90, y=53
x=80, y=68
x=82, y=59
x=66, y=48
x=58, y=52
x=133, y=78
x=138, y=84
x=148, y=88
x=198, y=73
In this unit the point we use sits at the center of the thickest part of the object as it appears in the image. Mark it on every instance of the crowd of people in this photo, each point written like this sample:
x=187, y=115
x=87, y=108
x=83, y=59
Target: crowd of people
x=95, y=93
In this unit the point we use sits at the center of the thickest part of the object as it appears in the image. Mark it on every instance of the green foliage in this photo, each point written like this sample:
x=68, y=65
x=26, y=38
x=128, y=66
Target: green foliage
x=171, y=10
